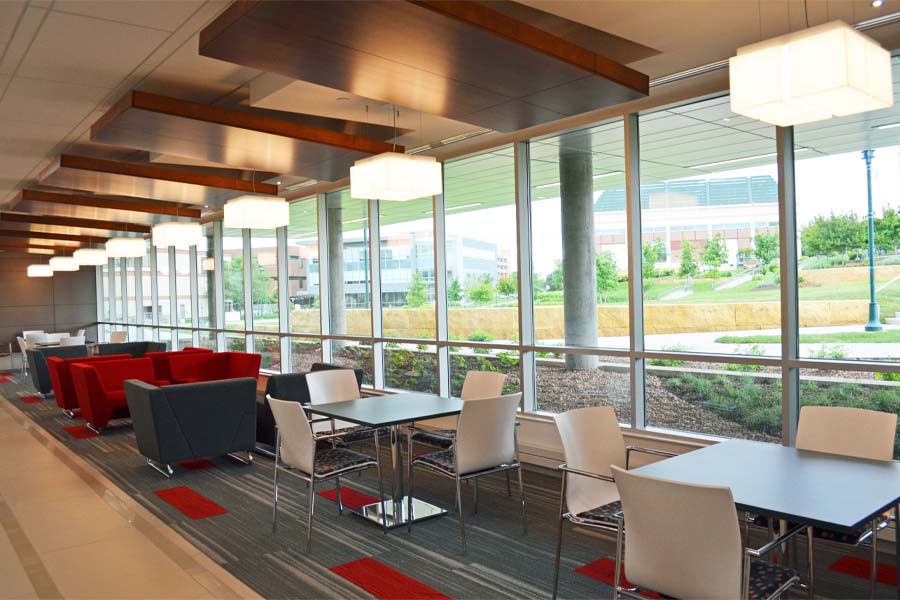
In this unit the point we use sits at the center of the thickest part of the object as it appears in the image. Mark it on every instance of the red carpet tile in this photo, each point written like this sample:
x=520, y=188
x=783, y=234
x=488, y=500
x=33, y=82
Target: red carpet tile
x=197, y=464
x=350, y=498
x=4, y=379
x=29, y=399
x=604, y=571
x=80, y=432
x=859, y=567
x=384, y=582
x=7, y=374
x=190, y=502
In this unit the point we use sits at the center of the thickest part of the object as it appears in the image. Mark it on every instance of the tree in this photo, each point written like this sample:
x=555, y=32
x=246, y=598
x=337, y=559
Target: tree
x=607, y=277
x=554, y=281
x=836, y=234
x=483, y=292
x=688, y=266
x=765, y=249
x=454, y=291
x=507, y=286
x=538, y=282
x=416, y=295
x=715, y=254
x=651, y=253
x=264, y=288
x=887, y=231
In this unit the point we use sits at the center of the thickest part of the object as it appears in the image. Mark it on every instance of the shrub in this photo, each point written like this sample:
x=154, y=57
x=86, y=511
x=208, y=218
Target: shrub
x=887, y=376
x=480, y=336
x=668, y=362
x=827, y=352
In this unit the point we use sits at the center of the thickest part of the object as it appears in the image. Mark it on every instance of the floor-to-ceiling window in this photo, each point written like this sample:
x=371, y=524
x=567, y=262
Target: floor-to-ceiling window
x=233, y=282
x=206, y=287
x=304, y=312
x=264, y=293
x=164, y=295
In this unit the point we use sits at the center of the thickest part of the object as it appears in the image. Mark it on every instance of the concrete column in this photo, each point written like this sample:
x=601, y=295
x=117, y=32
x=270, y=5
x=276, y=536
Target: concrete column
x=579, y=266
x=337, y=308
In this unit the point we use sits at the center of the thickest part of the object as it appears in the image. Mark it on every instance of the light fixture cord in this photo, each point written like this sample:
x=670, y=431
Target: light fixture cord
x=394, y=140
x=806, y=12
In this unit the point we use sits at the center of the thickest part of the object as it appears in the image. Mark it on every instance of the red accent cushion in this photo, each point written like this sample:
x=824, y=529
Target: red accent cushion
x=193, y=367
x=61, y=376
x=350, y=498
x=190, y=502
x=161, y=360
x=384, y=582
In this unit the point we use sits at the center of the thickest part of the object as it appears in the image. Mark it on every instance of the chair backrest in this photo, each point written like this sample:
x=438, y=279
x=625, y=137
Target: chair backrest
x=592, y=441
x=113, y=373
x=482, y=384
x=298, y=446
x=485, y=434
x=23, y=344
x=334, y=385
x=682, y=540
x=80, y=333
x=846, y=431
x=77, y=340
x=118, y=337
x=38, y=338
x=30, y=332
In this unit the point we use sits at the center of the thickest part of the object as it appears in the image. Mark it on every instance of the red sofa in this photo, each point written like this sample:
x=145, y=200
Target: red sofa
x=193, y=367
x=100, y=387
x=61, y=378
x=161, y=360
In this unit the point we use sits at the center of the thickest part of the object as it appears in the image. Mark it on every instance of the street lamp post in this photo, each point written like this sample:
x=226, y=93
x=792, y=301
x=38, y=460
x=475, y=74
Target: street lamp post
x=874, y=323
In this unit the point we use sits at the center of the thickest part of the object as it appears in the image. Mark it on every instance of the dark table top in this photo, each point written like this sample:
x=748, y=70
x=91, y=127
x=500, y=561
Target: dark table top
x=819, y=489
x=393, y=409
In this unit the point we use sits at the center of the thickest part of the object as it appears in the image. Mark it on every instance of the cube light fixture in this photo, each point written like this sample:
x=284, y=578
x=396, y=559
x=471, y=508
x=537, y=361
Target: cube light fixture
x=396, y=176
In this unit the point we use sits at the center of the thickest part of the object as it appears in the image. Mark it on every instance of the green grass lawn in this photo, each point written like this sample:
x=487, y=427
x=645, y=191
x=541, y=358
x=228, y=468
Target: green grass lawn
x=847, y=337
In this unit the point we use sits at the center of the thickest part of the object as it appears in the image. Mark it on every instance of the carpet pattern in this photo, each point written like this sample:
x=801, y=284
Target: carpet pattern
x=501, y=562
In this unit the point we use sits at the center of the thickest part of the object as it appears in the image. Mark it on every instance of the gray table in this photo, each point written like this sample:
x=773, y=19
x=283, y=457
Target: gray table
x=824, y=490
x=393, y=411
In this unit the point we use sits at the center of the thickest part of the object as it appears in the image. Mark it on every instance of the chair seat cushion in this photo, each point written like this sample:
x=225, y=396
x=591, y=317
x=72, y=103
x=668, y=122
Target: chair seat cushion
x=605, y=514
x=851, y=538
x=332, y=460
x=439, y=438
x=766, y=577
x=360, y=434
x=442, y=461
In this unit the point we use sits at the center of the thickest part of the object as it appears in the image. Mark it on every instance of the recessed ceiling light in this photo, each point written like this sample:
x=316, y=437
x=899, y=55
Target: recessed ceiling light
x=342, y=98
x=877, y=3
x=888, y=126
x=277, y=183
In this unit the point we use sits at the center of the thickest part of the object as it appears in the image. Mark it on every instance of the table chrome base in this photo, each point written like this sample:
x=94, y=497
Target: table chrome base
x=421, y=510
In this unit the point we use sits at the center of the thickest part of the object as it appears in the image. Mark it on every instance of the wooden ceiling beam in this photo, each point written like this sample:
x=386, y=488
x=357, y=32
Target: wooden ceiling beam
x=40, y=235
x=29, y=246
x=11, y=217
x=140, y=205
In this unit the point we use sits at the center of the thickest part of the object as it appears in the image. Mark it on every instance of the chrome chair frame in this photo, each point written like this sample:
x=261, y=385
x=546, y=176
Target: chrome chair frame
x=749, y=555
x=564, y=515
x=312, y=478
x=516, y=464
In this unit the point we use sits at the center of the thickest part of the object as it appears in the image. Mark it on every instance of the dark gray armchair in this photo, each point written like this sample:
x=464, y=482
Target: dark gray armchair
x=135, y=349
x=193, y=420
x=37, y=364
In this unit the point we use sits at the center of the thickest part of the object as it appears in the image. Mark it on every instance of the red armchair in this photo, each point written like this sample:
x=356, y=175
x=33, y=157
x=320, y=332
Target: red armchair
x=61, y=378
x=161, y=360
x=100, y=388
x=194, y=367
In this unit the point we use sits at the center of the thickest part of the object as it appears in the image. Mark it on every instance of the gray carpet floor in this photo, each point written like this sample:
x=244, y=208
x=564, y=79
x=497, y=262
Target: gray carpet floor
x=501, y=562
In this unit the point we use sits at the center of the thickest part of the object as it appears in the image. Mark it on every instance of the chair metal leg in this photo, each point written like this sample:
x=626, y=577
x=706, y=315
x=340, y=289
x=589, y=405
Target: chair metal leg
x=161, y=467
x=617, y=575
x=508, y=487
x=409, y=496
x=337, y=488
x=810, y=565
x=275, y=486
x=462, y=523
x=559, y=537
x=380, y=484
x=873, y=571
x=476, y=495
x=522, y=493
x=312, y=508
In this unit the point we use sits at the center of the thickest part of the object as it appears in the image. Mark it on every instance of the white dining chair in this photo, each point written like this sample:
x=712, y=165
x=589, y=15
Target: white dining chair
x=296, y=450
x=684, y=541
x=592, y=443
x=23, y=346
x=118, y=337
x=485, y=443
x=30, y=332
x=38, y=338
x=77, y=340
x=79, y=333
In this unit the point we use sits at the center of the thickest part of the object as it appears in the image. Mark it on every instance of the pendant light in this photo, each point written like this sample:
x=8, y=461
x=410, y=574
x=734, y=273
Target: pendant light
x=175, y=233
x=810, y=75
x=396, y=176
x=64, y=263
x=125, y=247
x=257, y=212
x=90, y=257
x=39, y=270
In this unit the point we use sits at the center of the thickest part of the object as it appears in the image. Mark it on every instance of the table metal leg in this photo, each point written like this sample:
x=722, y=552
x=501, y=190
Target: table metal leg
x=897, y=545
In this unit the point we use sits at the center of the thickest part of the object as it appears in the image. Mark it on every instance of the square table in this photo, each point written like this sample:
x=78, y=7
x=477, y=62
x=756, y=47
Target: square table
x=392, y=411
x=824, y=490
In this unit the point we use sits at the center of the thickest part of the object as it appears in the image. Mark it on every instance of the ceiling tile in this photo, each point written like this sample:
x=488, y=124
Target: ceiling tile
x=154, y=14
x=48, y=102
x=18, y=45
x=78, y=49
x=9, y=18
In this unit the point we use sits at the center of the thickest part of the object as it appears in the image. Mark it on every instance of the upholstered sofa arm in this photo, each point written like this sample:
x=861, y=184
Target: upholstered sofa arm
x=155, y=425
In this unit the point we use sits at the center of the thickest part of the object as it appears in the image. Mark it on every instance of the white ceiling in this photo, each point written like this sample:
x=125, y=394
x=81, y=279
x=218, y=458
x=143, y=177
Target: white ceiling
x=63, y=63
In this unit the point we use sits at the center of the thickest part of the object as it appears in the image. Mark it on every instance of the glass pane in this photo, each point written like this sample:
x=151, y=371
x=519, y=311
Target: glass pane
x=233, y=277
x=104, y=293
x=579, y=240
x=119, y=298
x=303, y=267
x=146, y=300
x=304, y=353
x=848, y=170
x=264, y=285
x=726, y=400
x=481, y=248
x=463, y=360
x=183, y=285
x=407, y=268
x=855, y=389
x=165, y=336
x=411, y=367
x=268, y=346
x=185, y=339
x=208, y=340
x=235, y=342
x=348, y=254
x=130, y=285
x=709, y=218
x=162, y=282
x=561, y=388
x=206, y=278
x=358, y=356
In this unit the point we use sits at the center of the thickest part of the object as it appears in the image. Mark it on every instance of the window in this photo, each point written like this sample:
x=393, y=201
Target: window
x=264, y=285
x=183, y=286
x=305, y=352
x=269, y=347
x=348, y=259
x=233, y=278
x=162, y=283
x=206, y=279
x=411, y=367
x=303, y=268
